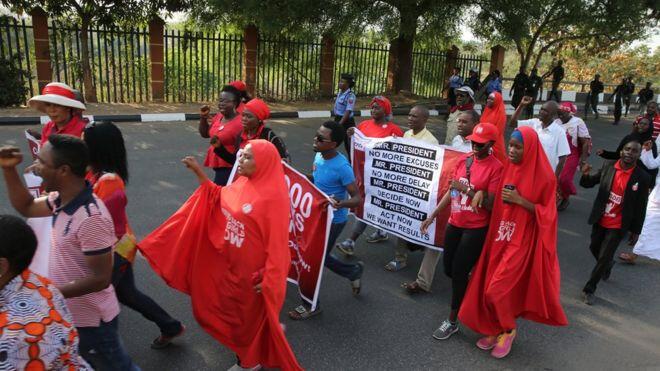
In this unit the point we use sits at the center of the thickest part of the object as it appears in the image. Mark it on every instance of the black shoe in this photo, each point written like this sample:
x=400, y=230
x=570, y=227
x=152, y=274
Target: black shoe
x=587, y=298
x=608, y=272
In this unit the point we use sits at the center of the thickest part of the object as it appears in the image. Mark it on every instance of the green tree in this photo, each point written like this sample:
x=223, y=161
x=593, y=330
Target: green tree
x=400, y=20
x=99, y=12
x=539, y=26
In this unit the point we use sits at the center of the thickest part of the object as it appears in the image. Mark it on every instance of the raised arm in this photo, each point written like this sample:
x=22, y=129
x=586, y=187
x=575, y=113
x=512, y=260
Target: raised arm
x=19, y=195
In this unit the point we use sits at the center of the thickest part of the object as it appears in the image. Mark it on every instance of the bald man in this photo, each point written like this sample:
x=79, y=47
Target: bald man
x=417, y=118
x=550, y=131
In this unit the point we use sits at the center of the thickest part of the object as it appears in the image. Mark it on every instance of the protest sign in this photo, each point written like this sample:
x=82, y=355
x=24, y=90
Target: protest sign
x=401, y=181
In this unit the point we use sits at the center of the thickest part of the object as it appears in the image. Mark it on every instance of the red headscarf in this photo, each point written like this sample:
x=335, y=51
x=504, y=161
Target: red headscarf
x=568, y=107
x=518, y=272
x=259, y=108
x=383, y=102
x=238, y=84
x=496, y=115
x=219, y=245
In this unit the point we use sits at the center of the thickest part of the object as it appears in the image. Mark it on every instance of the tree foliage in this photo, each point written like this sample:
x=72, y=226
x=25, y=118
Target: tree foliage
x=540, y=26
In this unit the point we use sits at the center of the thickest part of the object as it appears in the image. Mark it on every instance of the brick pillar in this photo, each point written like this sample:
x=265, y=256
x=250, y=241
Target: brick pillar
x=327, y=66
x=41, y=46
x=250, y=42
x=450, y=63
x=497, y=58
x=156, y=28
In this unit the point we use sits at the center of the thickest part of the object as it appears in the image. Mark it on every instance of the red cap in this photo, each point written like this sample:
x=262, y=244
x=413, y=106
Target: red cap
x=483, y=133
x=240, y=85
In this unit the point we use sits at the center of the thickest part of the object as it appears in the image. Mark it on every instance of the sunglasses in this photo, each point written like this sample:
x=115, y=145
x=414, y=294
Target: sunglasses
x=320, y=138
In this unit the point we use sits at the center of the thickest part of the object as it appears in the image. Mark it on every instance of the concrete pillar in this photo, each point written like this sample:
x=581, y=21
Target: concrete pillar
x=327, y=83
x=41, y=47
x=250, y=43
x=497, y=58
x=156, y=54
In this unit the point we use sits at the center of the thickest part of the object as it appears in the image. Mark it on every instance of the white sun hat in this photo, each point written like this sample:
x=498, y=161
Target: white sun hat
x=56, y=93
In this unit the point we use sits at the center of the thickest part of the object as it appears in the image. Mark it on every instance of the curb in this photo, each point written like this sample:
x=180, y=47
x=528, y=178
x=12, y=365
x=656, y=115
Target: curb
x=437, y=110
x=161, y=117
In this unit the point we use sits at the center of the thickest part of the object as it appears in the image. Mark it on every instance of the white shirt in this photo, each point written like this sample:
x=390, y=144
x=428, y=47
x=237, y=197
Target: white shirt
x=576, y=128
x=552, y=138
x=461, y=144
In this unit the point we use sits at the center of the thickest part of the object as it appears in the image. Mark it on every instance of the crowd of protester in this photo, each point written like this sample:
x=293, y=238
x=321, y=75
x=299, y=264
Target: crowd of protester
x=500, y=245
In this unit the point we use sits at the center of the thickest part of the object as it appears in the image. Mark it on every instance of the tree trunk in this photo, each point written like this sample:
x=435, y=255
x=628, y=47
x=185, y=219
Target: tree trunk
x=88, y=82
x=402, y=65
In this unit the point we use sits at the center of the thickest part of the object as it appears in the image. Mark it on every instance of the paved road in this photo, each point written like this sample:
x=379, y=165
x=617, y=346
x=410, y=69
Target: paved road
x=385, y=328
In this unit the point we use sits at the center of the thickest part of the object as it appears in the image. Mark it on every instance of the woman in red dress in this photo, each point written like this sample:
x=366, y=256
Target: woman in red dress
x=518, y=272
x=227, y=247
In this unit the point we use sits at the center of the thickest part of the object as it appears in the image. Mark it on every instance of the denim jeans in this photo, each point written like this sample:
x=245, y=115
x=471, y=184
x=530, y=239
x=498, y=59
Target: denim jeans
x=130, y=296
x=349, y=271
x=109, y=351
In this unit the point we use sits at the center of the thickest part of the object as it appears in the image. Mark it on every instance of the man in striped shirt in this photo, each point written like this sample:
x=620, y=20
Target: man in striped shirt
x=80, y=261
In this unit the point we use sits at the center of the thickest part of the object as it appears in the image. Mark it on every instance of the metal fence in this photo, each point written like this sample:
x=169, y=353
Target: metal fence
x=16, y=46
x=428, y=73
x=288, y=69
x=119, y=61
x=368, y=63
x=198, y=64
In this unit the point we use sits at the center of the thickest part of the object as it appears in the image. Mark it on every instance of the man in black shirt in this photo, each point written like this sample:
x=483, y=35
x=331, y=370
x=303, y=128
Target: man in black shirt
x=519, y=87
x=534, y=90
x=645, y=96
x=557, y=75
x=595, y=88
x=473, y=80
x=627, y=93
x=617, y=97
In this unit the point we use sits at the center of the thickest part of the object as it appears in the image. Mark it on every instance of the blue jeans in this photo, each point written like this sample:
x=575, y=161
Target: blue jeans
x=130, y=296
x=109, y=351
x=349, y=271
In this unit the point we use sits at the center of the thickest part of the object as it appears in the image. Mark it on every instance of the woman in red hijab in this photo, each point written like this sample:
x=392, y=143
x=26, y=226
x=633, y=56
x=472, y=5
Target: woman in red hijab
x=495, y=113
x=227, y=247
x=253, y=118
x=518, y=273
x=380, y=125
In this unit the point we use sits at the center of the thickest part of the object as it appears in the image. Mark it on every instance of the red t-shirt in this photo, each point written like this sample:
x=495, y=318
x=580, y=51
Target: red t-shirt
x=612, y=216
x=370, y=129
x=485, y=175
x=74, y=127
x=227, y=133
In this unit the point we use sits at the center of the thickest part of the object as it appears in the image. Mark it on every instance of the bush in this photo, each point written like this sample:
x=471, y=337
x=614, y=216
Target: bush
x=12, y=88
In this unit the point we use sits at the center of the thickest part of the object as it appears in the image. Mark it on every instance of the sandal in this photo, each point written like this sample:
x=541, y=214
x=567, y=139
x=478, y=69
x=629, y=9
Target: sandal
x=627, y=258
x=301, y=313
x=395, y=265
x=413, y=287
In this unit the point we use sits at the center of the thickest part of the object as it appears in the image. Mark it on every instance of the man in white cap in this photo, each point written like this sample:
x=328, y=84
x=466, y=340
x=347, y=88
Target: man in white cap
x=464, y=103
x=58, y=101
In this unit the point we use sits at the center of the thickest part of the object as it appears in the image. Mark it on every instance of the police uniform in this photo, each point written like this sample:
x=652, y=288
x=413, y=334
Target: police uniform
x=345, y=101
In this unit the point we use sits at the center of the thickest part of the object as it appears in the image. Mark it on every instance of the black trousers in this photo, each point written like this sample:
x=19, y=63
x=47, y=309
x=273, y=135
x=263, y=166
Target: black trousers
x=604, y=242
x=462, y=249
x=347, y=140
x=591, y=104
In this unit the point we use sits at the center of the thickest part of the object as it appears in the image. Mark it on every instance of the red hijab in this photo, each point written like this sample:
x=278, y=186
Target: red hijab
x=383, y=102
x=496, y=115
x=219, y=245
x=518, y=272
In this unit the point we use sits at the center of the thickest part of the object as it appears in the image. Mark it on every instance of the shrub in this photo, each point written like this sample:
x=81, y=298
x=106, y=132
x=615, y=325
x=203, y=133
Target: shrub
x=12, y=88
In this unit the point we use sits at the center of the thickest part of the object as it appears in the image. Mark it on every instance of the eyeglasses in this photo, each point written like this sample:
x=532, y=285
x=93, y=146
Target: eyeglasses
x=320, y=138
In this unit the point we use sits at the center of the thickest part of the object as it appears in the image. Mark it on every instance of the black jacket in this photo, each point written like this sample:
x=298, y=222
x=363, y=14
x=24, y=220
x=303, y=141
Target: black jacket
x=634, y=199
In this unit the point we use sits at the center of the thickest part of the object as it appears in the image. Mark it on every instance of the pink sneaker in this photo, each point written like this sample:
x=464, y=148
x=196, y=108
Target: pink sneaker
x=487, y=343
x=504, y=343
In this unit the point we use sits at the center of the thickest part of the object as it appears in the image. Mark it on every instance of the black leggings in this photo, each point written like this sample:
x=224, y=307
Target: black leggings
x=462, y=249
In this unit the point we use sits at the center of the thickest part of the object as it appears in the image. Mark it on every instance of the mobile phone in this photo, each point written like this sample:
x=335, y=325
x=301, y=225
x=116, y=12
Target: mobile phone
x=510, y=187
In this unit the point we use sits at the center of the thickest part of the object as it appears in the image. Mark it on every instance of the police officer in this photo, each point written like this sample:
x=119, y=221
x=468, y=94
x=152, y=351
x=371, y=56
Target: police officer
x=343, y=110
